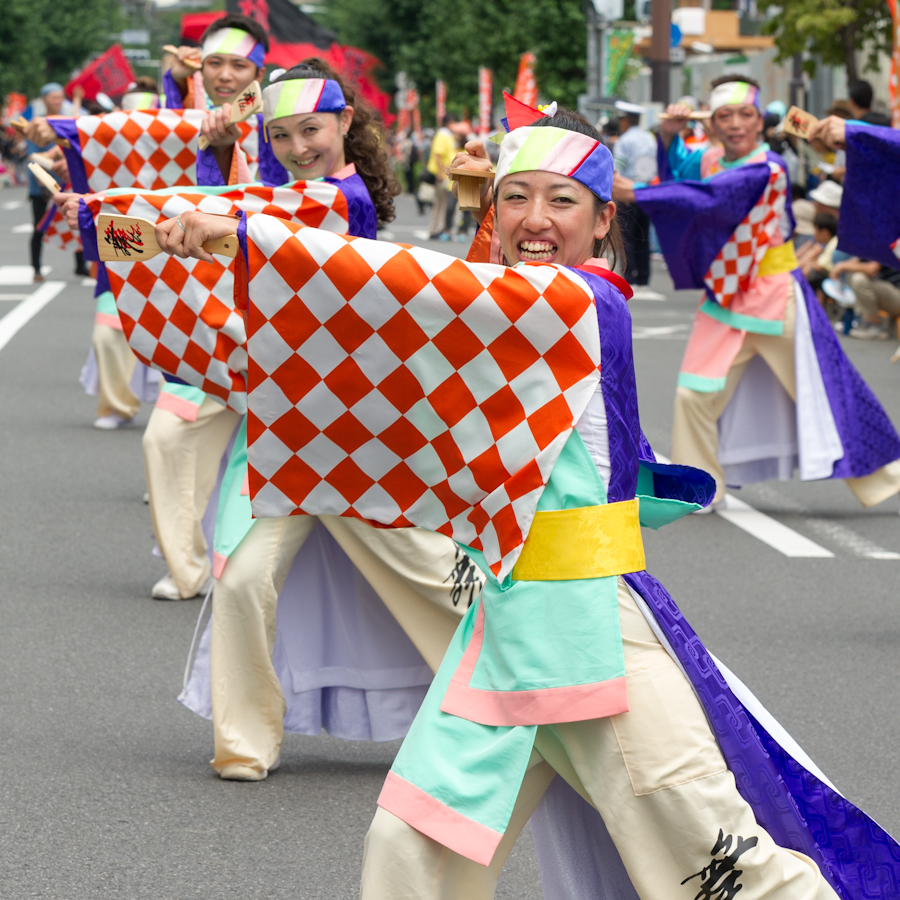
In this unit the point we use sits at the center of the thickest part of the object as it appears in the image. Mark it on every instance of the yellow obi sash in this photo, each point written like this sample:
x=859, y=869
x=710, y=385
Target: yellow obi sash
x=779, y=259
x=587, y=542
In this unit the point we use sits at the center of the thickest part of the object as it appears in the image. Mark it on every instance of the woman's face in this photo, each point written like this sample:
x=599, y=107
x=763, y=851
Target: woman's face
x=311, y=145
x=224, y=75
x=543, y=217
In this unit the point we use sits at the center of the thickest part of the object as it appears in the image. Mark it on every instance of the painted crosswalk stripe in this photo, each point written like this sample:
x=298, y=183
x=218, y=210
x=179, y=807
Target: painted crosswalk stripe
x=23, y=312
x=766, y=529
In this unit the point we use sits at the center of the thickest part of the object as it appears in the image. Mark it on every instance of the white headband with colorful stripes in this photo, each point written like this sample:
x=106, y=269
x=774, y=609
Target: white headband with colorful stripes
x=734, y=93
x=296, y=96
x=234, y=42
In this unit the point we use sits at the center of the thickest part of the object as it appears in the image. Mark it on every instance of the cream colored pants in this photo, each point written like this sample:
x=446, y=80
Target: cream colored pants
x=181, y=461
x=656, y=776
x=115, y=366
x=410, y=569
x=695, y=433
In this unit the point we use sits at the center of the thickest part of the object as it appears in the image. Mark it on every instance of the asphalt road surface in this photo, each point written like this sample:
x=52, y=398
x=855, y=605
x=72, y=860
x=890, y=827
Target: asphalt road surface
x=107, y=790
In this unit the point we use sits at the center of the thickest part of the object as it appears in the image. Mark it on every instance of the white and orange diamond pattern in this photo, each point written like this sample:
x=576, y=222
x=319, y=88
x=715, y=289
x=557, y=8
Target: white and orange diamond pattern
x=737, y=263
x=149, y=149
x=59, y=235
x=407, y=387
x=178, y=314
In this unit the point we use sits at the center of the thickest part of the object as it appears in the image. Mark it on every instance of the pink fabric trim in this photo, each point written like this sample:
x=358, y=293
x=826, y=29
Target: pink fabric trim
x=346, y=172
x=218, y=564
x=439, y=822
x=545, y=706
x=712, y=347
x=245, y=487
x=466, y=667
x=180, y=407
x=569, y=153
x=242, y=169
x=767, y=297
x=199, y=97
x=110, y=321
x=310, y=94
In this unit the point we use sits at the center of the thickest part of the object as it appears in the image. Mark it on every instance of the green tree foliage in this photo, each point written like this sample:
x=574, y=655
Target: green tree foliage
x=45, y=40
x=431, y=39
x=834, y=30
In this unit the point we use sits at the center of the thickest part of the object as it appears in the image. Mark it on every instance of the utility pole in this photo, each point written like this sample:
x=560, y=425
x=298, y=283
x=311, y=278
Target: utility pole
x=796, y=85
x=661, y=21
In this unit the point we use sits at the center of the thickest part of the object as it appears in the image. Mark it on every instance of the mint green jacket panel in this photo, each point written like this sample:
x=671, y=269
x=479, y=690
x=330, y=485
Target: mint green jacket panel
x=234, y=517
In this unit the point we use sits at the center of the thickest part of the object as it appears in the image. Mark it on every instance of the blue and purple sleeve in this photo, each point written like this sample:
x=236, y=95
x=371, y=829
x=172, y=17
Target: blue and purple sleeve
x=869, y=221
x=678, y=163
x=67, y=129
x=172, y=92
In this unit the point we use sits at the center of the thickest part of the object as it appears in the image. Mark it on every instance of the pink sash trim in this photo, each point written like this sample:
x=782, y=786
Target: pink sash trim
x=712, y=347
x=180, y=407
x=543, y=706
x=434, y=819
x=346, y=172
x=109, y=320
x=245, y=487
x=218, y=564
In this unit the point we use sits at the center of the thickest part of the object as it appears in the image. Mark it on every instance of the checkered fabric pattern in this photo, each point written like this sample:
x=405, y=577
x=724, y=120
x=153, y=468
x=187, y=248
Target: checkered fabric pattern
x=178, y=314
x=737, y=263
x=59, y=235
x=148, y=148
x=403, y=386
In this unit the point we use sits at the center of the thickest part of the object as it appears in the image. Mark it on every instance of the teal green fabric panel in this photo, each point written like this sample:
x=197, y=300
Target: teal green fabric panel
x=740, y=321
x=106, y=304
x=184, y=392
x=234, y=517
x=658, y=511
x=700, y=384
x=474, y=769
x=546, y=652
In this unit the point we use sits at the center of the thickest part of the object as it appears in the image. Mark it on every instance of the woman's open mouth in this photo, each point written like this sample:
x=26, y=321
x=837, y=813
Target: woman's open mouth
x=306, y=162
x=536, y=250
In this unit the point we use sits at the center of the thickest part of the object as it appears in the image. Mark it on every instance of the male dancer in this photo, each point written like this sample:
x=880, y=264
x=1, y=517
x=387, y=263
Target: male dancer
x=764, y=386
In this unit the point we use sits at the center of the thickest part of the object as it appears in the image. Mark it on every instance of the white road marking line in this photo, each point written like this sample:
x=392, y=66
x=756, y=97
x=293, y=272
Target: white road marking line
x=20, y=274
x=14, y=296
x=770, y=531
x=644, y=293
x=855, y=543
x=13, y=204
x=24, y=228
x=766, y=529
x=22, y=313
x=657, y=332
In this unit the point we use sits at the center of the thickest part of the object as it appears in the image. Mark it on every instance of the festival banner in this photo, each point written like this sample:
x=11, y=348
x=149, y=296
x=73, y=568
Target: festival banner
x=619, y=43
x=440, y=101
x=485, y=101
x=526, y=84
x=110, y=74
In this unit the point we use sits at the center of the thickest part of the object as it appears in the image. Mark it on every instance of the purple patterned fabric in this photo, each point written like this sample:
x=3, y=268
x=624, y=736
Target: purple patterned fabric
x=208, y=172
x=618, y=386
x=66, y=128
x=867, y=435
x=857, y=857
x=361, y=216
x=172, y=91
x=694, y=219
x=869, y=221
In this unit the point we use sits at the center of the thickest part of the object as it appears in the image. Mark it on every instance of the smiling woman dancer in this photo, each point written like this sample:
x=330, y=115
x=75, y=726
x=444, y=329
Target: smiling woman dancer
x=315, y=133
x=574, y=660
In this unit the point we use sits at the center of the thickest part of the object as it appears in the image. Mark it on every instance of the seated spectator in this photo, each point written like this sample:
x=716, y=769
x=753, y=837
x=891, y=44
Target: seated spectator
x=827, y=197
x=877, y=289
x=815, y=257
x=804, y=214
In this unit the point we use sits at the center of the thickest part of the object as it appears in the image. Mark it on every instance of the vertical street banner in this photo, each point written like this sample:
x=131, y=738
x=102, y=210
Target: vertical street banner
x=894, y=80
x=485, y=101
x=526, y=84
x=619, y=44
x=440, y=101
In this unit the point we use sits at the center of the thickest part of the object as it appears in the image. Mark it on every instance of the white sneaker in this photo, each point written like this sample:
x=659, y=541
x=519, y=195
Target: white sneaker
x=112, y=422
x=166, y=589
